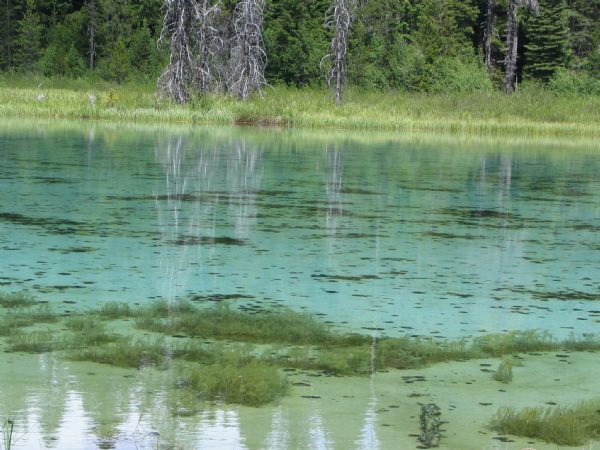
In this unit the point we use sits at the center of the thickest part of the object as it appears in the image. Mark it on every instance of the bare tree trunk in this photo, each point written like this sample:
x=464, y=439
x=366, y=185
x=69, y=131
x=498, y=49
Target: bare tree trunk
x=487, y=35
x=92, y=29
x=8, y=48
x=208, y=44
x=177, y=79
x=339, y=18
x=248, y=58
x=512, y=40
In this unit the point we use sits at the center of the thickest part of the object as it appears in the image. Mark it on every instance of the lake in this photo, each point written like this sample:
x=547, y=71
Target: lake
x=437, y=238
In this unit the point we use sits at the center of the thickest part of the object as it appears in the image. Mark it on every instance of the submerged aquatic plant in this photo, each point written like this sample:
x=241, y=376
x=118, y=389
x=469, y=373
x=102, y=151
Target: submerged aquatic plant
x=16, y=299
x=222, y=322
x=253, y=384
x=125, y=353
x=573, y=425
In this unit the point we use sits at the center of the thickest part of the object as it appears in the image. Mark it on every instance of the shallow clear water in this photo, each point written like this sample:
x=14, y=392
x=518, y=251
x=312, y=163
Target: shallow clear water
x=385, y=235
x=427, y=237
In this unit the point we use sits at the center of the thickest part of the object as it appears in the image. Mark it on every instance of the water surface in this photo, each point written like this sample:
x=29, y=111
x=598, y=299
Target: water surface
x=422, y=235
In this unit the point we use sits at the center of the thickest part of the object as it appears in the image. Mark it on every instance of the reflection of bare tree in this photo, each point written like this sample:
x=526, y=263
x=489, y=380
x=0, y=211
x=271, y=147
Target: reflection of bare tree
x=333, y=187
x=197, y=184
x=243, y=181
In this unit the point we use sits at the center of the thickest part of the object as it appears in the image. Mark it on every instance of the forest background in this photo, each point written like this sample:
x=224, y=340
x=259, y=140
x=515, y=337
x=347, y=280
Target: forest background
x=432, y=46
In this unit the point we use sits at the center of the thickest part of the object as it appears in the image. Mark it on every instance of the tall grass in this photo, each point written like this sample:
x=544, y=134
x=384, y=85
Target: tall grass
x=526, y=112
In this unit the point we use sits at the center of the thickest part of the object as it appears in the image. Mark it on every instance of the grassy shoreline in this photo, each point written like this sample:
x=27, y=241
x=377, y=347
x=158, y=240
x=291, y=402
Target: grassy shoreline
x=531, y=113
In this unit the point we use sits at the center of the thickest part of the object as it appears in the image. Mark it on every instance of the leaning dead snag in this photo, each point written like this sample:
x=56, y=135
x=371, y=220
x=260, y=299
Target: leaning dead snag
x=339, y=17
x=248, y=58
x=512, y=40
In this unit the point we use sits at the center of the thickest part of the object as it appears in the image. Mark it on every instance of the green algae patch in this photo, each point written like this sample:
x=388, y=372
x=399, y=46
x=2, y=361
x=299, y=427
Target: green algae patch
x=573, y=425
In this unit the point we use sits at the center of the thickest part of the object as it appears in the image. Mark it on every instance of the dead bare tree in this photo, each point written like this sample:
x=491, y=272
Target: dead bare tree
x=248, y=58
x=339, y=17
x=512, y=40
x=92, y=29
x=208, y=45
x=487, y=35
x=176, y=81
x=188, y=28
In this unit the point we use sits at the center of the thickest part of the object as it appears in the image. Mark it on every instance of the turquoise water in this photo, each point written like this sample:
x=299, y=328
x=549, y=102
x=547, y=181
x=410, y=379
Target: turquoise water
x=440, y=236
x=419, y=235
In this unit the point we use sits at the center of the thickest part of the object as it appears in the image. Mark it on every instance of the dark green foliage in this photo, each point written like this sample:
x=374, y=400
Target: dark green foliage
x=547, y=40
x=412, y=45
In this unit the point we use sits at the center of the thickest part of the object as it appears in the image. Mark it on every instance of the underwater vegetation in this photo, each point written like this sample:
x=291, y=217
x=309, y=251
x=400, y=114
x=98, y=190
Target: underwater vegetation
x=15, y=300
x=253, y=384
x=242, y=346
x=573, y=425
x=222, y=322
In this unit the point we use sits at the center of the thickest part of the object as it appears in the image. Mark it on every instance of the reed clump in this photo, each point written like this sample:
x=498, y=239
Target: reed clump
x=499, y=344
x=115, y=310
x=572, y=426
x=36, y=342
x=252, y=384
x=504, y=372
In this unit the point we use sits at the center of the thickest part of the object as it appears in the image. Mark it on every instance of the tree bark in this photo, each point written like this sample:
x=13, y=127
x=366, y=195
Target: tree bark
x=488, y=34
x=340, y=19
x=512, y=41
x=92, y=28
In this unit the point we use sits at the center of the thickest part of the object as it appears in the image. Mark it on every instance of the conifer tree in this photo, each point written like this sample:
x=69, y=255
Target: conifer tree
x=547, y=44
x=29, y=38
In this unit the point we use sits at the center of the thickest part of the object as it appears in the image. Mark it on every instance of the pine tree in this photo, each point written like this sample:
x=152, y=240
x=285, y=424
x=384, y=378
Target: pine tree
x=29, y=38
x=547, y=46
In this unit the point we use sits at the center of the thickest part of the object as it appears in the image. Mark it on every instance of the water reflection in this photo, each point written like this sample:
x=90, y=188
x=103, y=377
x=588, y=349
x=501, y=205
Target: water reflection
x=63, y=405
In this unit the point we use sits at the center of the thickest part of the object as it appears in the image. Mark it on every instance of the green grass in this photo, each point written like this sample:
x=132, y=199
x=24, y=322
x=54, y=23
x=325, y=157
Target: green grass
x=528, y=112
x=571, y=426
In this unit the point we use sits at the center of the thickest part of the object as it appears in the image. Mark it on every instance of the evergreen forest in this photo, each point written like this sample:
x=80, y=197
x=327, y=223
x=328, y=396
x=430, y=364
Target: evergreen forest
x=406, y=45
